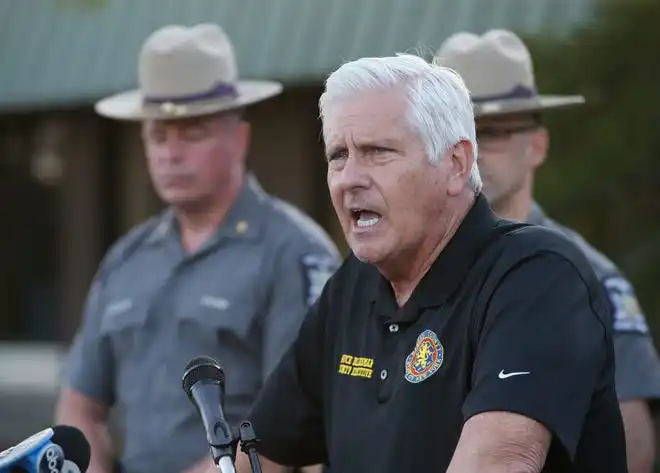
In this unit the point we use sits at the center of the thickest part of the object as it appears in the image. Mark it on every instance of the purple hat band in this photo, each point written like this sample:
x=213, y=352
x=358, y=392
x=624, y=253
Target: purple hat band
x=219, y=91
x=518, y=92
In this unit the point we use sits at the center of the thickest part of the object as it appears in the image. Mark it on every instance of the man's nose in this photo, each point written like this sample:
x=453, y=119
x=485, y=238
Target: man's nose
x=172, y=148
x=354, y=174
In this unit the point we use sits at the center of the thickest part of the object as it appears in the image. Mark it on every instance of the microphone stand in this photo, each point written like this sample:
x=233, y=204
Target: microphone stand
x=249, y=441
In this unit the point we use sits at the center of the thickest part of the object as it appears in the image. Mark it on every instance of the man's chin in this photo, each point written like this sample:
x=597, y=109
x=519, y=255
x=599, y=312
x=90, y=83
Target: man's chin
x=181, y=200
x=369, y=253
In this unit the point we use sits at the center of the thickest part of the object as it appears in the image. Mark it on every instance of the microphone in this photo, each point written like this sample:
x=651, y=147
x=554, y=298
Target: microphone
x=204, y=384
x=61, y=449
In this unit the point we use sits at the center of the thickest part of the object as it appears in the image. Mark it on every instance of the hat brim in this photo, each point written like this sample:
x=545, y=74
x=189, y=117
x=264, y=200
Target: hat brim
x=536, y=104
x=129, y=106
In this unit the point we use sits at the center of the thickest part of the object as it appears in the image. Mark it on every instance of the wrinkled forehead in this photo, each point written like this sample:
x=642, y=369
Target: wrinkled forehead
x=370, y=116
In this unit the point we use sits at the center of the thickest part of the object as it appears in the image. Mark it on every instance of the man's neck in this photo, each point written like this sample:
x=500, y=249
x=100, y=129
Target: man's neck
x=403, y=284
x=518, y=207
x=198, y=223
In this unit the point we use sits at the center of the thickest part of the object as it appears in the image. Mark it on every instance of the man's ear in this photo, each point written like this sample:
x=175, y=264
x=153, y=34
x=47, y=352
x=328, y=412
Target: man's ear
x=461, y=160
x=538, y=148
x=244, y=135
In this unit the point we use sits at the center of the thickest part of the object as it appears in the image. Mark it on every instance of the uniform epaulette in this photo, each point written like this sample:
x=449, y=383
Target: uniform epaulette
x=126, y=245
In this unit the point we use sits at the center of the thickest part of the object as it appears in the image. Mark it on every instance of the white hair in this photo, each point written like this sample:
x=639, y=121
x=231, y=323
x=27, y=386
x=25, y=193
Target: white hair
x=440, y=109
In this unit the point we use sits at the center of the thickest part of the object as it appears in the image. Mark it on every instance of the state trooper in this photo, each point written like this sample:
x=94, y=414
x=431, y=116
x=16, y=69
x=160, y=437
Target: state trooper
x=497, y=68
x=226, y=270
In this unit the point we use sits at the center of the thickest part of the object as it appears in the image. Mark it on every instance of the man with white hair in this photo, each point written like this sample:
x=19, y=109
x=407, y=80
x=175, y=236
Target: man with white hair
x=513, y=144
x=449, y=340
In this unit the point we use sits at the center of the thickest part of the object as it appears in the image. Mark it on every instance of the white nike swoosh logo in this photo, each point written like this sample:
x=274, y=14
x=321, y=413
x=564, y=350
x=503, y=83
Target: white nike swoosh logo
x=504, y=375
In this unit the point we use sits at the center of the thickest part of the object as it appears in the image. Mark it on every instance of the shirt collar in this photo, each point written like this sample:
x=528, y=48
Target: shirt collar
x=537, y=216
x=448, y=270
x=241, y=222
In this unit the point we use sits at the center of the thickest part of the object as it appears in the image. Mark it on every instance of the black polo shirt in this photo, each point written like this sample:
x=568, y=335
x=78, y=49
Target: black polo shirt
x=509, y=317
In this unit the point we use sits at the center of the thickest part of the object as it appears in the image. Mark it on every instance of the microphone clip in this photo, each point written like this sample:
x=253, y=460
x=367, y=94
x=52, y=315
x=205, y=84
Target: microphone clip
x=249, y=441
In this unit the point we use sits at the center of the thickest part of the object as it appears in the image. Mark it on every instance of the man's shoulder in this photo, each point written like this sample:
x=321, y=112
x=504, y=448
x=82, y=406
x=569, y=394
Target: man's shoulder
x=628, y=317
x=601, y=264
x=523, y=243
x=130, y=242
x=527, y=240
x=291, y=226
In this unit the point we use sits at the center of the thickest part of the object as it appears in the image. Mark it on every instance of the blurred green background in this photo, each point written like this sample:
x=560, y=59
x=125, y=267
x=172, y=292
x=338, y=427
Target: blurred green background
x=603, y=173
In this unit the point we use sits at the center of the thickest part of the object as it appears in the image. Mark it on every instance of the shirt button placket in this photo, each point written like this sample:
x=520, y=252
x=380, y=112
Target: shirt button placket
x=391, y=342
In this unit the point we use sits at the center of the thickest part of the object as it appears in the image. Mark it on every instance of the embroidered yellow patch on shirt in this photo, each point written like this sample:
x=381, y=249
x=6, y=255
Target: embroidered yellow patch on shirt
x=359, y=366
x=425, y=359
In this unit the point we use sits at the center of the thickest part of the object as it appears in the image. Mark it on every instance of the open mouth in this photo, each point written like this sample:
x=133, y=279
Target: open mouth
x=363, y=218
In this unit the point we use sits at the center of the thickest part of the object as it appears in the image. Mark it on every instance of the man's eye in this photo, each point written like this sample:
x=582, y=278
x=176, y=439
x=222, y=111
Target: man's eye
x=378, y=150
x=336, y=155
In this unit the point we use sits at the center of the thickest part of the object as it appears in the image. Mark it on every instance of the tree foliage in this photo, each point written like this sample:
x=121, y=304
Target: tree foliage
x=603, y=173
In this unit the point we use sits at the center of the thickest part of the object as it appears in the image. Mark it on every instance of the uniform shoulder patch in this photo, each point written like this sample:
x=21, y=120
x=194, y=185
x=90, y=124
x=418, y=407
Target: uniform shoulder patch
x=627, y=315
x=425, y=359
x=317, y=269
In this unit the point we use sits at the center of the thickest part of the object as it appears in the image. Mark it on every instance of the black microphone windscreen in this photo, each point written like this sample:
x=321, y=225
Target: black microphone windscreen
x=202, y=368
x=74, y=444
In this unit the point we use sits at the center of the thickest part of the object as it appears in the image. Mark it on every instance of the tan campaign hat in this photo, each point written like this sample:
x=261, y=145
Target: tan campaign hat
x=186, y=72
x=497, y=69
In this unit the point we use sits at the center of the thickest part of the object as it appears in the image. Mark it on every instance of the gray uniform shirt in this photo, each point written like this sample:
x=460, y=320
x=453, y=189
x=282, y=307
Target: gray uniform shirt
x=240, y=298
x=637, y=363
